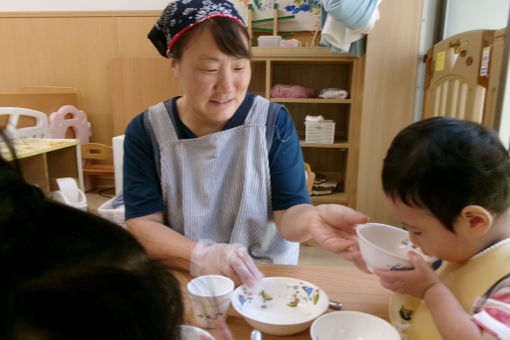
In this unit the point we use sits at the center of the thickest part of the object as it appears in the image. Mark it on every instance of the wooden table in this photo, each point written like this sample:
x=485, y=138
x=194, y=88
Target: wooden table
x=43, y=160
x=357, y=291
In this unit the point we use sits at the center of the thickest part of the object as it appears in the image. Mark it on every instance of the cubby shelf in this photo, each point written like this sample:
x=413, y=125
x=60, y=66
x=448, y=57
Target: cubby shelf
x=318, y=68
x=311, y=100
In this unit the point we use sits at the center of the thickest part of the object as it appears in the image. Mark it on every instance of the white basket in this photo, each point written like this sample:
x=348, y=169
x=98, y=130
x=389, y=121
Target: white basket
x=320, y=132
x=115, y=215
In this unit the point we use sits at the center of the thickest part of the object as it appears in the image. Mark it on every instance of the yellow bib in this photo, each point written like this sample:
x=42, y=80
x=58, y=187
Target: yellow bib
x=467, y=282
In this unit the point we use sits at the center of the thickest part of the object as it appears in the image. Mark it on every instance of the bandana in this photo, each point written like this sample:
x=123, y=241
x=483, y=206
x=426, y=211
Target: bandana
x=181, y=15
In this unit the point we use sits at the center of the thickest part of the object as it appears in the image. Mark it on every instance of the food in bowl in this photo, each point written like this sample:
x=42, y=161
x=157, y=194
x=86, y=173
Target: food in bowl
x=385, y=247
x=280, y=305
x=352, y=325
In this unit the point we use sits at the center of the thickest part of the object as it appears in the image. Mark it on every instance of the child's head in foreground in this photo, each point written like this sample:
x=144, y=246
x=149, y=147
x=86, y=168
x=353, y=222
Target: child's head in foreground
x=448, y=182
x=68, y=274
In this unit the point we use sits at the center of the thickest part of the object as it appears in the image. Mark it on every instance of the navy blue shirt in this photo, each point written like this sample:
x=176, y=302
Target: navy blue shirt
x=141, y=183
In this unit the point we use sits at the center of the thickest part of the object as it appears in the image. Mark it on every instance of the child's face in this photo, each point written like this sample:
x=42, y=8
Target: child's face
x=427, y=232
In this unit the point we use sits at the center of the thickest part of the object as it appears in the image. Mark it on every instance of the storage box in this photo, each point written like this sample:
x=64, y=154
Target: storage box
x=115, y=215
x=269, y=41
x=322, y=132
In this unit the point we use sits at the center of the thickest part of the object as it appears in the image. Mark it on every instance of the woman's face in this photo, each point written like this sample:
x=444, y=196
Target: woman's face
x=214, y=84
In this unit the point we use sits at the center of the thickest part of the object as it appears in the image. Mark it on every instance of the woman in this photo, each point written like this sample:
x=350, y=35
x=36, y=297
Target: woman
x=215, y=178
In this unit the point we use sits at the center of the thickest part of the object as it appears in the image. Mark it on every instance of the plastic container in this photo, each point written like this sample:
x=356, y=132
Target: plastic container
x=81, y=203
x=320, y=132
x=269, y=41
x=115, y=215
x=69, y=193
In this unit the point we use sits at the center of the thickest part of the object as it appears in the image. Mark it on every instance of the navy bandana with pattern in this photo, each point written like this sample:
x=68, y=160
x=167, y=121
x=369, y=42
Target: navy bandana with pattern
x=181, y=15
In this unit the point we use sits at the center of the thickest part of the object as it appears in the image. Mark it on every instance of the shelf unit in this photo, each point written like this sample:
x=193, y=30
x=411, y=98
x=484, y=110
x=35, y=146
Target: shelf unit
x=318, y=68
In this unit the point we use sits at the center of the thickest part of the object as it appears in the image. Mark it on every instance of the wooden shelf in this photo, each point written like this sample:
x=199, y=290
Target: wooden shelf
x=279, y=53
x=311, y=100
x=318, y=68
x=336, y=197
x=336, y=145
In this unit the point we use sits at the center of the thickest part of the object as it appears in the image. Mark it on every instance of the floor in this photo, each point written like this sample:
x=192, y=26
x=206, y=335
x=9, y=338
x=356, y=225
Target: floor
x=309, y=255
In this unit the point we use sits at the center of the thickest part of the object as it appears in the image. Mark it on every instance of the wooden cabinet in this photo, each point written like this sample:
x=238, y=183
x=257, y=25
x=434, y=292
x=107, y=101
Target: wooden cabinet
x=318, y=68
x=42, y=161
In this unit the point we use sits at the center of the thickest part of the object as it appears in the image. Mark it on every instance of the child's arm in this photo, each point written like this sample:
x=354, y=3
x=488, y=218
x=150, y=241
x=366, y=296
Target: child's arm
x=422, y=282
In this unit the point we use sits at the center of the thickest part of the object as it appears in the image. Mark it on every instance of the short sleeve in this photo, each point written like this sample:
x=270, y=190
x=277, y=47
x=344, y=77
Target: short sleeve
x=494, y=314
x=141, y=187
x=288, y=177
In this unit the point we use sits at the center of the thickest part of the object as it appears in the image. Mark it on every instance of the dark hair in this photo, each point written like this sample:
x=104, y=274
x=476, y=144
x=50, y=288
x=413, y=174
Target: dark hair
x=231, y=38
x=445, y=164
x=69, y=274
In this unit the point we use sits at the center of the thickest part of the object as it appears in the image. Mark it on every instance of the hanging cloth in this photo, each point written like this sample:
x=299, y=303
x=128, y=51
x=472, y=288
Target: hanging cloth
x=345, y=24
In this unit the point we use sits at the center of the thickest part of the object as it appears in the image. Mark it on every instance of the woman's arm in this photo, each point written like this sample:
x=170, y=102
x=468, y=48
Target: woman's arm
x=331, y=225
x=161, y=242
x=199, y=258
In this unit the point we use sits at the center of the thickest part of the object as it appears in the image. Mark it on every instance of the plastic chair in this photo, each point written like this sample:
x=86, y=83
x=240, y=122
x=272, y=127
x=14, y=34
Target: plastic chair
x=38, y=130
x=98, y=162
x=310, y=177
x=69, y=117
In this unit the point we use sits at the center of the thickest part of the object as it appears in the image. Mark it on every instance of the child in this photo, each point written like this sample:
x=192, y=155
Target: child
x=67, y=274
x=448, y=181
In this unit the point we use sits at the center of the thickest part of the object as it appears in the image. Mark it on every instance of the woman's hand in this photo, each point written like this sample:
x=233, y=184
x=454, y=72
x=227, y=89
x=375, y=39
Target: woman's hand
x=333, y=226
x=413, y=282
x=231, y=260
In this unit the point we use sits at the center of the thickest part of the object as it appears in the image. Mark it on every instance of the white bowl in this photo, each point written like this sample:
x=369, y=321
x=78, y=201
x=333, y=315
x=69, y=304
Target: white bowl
x=280, y=305
x=193, y=333
x=386, y=247
x=352, y=325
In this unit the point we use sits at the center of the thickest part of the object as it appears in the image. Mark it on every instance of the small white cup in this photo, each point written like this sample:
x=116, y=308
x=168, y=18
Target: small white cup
x=385, y=247
x=210, y=298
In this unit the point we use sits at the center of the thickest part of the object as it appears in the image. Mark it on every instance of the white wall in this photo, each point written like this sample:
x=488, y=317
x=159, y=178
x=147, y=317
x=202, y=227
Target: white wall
x=81, y=5
x=429, y=21
x=504, y=127
x=466, y=15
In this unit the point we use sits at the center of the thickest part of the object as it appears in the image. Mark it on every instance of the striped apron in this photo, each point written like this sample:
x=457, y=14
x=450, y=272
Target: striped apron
x=218, y=186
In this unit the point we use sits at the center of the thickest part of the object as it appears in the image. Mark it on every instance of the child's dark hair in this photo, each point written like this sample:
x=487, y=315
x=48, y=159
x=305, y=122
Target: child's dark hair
x=444, y=164
x=68, y=274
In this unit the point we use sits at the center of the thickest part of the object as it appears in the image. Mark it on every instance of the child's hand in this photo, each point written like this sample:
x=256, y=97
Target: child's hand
x=413, y=282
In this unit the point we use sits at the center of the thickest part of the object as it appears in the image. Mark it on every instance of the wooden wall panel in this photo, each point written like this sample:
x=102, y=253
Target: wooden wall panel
x=388, y=98
x=73, y=49
x=137, y=84
x=132, y=36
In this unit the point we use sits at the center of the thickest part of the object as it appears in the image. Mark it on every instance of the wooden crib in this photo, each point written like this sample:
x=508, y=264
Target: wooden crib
x=462, y=76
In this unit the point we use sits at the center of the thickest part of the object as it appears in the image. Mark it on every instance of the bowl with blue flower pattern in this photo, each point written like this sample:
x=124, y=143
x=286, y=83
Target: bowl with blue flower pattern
x=280, y=305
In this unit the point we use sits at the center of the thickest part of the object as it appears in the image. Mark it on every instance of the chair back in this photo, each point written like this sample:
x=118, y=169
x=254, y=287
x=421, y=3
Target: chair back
x=98, y=162
x=15, y=130
x=69, y=117
x=310, y=177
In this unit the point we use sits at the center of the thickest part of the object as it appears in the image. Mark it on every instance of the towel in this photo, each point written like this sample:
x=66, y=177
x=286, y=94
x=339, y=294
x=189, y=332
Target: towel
x=345, y=22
